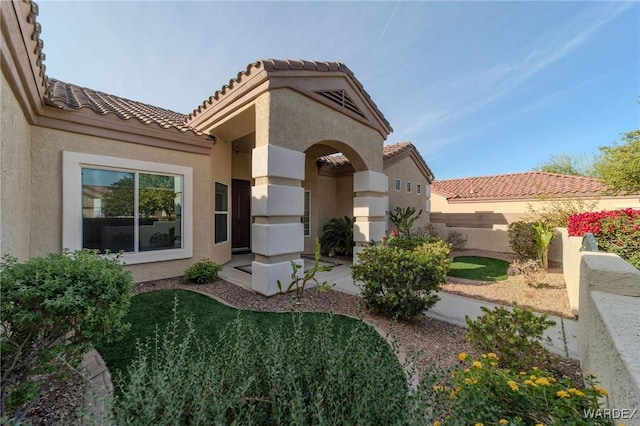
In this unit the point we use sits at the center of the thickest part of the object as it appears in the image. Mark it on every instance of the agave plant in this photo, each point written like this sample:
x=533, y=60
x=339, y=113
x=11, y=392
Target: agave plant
x=337, y=236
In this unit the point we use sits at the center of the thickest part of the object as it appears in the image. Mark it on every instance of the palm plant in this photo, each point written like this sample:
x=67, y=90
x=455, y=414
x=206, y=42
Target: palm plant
x=337, y=236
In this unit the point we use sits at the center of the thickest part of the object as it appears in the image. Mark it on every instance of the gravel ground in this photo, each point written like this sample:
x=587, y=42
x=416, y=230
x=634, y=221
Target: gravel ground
x=428, y=342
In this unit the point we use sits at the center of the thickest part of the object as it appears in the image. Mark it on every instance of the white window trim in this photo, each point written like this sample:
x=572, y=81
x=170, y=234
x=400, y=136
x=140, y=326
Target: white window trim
x=72, y=164
x=215, y=212
x=398, y=184
x=408, y=185
x=309, y=234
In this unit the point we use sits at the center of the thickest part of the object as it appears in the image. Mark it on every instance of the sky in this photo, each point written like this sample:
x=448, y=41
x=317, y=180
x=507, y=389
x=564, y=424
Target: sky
x=480, y=88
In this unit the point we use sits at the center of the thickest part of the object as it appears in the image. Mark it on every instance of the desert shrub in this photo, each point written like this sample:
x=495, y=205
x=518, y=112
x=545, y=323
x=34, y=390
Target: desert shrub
x=407, y=243
x=480, y=392
x=337, y=236
x=400, y=282
x=529, y=270
x=403, y=219
x=456, y=239
x=53, y=309
x=615, y=231
x=316, y=374
x=522, y=239
x=555, y=212
x=203, y=272
x=514, y=335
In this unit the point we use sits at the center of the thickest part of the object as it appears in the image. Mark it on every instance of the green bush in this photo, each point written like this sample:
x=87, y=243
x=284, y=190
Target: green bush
x=479, y=392
x=514, y=335
x=307, y=375
x=53, y=309
x=203, y=272
x=403, y=219
x=400, y=282
x=522, y=239
x=337, y=236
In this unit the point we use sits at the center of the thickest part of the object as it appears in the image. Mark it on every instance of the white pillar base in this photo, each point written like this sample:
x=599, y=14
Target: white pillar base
x=264, y=277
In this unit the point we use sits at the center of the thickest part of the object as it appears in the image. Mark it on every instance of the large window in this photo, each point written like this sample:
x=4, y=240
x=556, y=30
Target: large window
x=306, y=217
x=118, y=205
x=221, y=213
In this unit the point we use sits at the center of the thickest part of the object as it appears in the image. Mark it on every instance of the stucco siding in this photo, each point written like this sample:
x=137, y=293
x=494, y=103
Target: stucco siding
x=15, y=182
x=46, y=177
x=406, y=170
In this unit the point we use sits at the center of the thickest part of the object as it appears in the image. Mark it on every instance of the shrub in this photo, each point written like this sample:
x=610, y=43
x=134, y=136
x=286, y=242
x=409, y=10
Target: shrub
x=479, y=392
x=555, y=212
x=543, y=235
x=308, y=375
x=615, y=231
x=400, y=282
x=529, y=269
x=403, y=219
x=456, y=239
x=203, y=272
x=53, y=309
x=337, y=236
x=514, y=335
x=522, y=239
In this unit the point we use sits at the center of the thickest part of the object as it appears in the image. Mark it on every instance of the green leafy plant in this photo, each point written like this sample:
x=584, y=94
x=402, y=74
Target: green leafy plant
x=480, y=392
x=514, y=335
x=337, y=236
x=403, y=219
x=53, y=309
x=203, y=272
x=400, y=282
x=300, y=282
x=522, y=239
x=544, y=236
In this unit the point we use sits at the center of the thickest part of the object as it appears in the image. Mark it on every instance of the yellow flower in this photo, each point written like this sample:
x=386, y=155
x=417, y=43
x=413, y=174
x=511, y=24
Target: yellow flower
x=436, y=423
x=437, y=388
x=493, y=364
x=513, y=385
x=576, y=392
x=522, y=373
x=477, y=364
x=533, y=377
x=470, y=381
x=491, y=355
x=552, y=380
x=539, y=424
x=479, y=424
x=530, y=383
x=466, y=370
x=542, y=381
x=600, y=390
x=462, y=356
x=503, y=422
x=562, y=394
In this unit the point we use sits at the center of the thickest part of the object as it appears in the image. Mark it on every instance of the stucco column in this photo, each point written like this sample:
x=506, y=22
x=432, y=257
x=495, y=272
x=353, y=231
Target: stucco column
x=277, y=204
x=369, y=206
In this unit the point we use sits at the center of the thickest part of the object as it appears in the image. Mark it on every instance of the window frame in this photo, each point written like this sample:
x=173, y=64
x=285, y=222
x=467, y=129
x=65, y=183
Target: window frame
x=307, y=204
x=398, y=185
x=220, y=212
x=72, y=165
x=418, y=188
x=408, y=185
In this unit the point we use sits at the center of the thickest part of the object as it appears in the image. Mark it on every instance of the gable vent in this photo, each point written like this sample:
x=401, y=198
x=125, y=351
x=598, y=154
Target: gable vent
x=342, y=99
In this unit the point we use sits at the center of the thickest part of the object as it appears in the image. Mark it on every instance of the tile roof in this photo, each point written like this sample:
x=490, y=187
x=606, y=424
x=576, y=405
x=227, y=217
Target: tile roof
x=526, y=185
x=71, y=97
x=284, y=65
x=389, y=152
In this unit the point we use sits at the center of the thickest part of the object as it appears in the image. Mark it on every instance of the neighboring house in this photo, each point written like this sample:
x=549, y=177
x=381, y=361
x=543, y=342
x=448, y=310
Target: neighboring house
x=409, y=185
x=82, y=168
x=493, y=202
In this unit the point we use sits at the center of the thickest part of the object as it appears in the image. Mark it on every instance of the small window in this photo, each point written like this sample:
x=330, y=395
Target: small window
x=221, y=213
x=398, y=184
x=307, y=214
x=408, y=186
x=419, y=189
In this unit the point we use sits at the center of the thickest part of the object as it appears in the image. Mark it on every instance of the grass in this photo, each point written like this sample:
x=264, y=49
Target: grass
x=479, y=268
x=154, y=311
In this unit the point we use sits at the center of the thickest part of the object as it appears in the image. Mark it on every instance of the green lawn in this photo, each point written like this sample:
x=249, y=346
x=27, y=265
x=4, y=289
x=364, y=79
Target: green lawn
x=154, y=310
x=479, y=268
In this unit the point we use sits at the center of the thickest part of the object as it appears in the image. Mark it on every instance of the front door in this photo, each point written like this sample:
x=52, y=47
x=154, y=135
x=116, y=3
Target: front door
x=240, y=215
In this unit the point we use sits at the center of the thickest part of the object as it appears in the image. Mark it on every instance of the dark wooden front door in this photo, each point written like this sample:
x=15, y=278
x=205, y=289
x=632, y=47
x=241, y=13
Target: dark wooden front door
x=240, y=214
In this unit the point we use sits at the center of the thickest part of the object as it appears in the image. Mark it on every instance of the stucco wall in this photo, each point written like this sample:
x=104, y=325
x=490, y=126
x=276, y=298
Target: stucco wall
x=46, y=178
x=240, y=165
x=608, y=341
x=15, y=182
x=406, y=170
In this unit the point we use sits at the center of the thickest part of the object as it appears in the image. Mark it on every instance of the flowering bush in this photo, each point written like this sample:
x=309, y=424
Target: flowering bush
x=478, y=391
x=616, y=231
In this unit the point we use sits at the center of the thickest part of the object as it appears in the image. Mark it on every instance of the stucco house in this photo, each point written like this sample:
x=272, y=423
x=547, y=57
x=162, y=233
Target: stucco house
x=476, y=205
x=82, y=168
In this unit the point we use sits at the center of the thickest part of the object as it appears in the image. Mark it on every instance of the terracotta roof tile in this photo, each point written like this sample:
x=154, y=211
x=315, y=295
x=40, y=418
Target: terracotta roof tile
x=526, y=185
x=71, y=97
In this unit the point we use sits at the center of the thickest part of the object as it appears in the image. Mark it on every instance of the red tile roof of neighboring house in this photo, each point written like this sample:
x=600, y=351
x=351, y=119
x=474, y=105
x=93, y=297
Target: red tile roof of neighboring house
x=389, y=152
x=71, y=97
x=526, y=185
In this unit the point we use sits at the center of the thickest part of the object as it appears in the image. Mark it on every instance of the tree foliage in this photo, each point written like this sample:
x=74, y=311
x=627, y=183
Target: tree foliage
x=619, y=165
x=567, y=164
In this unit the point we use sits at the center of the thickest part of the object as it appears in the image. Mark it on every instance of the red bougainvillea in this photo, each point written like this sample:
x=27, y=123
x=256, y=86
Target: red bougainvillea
x=616, y=231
